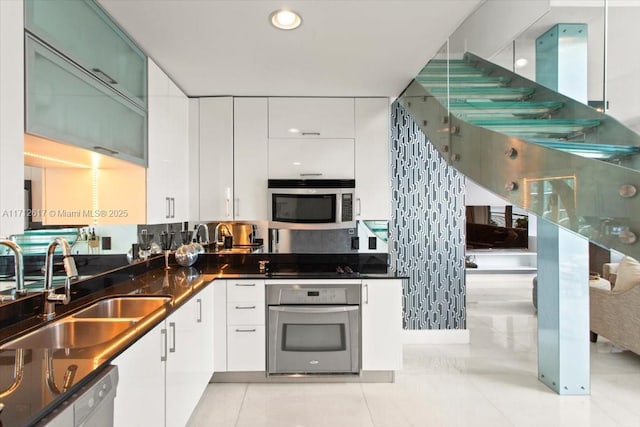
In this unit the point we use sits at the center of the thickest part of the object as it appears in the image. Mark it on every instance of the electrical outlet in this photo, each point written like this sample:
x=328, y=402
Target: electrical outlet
x=352, y=231
x=355, y=243
x=373, y=244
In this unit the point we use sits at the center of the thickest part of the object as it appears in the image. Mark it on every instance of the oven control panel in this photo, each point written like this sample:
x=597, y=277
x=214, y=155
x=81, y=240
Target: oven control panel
x=313, y=294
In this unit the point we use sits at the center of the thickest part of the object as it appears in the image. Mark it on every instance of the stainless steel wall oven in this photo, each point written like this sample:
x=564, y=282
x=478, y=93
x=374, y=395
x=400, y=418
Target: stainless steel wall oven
x=313, y=329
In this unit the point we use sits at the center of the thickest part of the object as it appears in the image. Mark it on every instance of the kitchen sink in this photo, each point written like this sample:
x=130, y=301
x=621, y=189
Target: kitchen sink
x=71, y=333
x=121, y=308
x=96, y=324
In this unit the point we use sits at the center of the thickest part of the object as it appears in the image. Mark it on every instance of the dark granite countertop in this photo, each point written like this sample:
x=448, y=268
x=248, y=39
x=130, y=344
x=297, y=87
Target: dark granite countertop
x=35, y=397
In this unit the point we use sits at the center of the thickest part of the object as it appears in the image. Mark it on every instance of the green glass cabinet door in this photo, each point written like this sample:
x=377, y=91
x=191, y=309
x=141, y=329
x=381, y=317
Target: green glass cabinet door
x=66, y=104
x=82, y=31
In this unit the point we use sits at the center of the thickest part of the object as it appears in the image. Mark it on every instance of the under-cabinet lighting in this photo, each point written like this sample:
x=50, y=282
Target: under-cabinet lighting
x=285, y=19
x=53, y=159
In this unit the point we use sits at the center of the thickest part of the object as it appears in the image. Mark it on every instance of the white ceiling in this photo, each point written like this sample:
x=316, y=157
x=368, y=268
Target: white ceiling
x=343, y=48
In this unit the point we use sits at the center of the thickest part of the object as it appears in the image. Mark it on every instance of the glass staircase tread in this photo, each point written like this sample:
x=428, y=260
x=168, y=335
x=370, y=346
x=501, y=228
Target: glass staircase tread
x=488, y=93
x=458, y=72
x=532, y=128
x=463, y=81
x=592, y=151
x=451, y=66
x=487, y=110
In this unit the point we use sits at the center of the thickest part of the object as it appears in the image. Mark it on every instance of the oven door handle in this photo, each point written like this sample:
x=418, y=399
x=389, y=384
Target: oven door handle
x=315, y=310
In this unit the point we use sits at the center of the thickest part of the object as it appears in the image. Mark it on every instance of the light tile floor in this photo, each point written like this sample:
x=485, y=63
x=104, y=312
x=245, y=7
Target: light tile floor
x=489, y=382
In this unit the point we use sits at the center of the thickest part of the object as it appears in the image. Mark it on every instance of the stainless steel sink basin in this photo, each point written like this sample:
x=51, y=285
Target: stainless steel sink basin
x=96, y=324
x=71, y=333
x=121, y=308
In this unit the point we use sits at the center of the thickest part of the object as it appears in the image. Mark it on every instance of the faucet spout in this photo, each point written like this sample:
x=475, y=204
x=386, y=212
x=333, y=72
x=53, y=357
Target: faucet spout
x=216, y=233
x=18, y=264
x=70, y=270
x=196, y=233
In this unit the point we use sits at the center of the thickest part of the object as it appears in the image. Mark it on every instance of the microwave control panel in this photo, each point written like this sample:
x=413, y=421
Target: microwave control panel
x=347, y=207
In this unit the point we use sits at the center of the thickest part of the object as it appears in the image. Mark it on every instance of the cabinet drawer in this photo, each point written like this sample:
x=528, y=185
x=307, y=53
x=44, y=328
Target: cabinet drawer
x=245, y=290
x=86, y=34
x=245, y=313
x=311, y=118
x=311, y=159
x=246, y=348
x=66, y=104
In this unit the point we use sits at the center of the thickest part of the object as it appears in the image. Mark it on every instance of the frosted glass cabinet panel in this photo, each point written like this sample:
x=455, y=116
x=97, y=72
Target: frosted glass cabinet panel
x=66, y=104
x=82, y=31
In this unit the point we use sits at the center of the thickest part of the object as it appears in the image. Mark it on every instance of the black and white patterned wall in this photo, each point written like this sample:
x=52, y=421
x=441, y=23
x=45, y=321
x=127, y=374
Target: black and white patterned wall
x=427, y=228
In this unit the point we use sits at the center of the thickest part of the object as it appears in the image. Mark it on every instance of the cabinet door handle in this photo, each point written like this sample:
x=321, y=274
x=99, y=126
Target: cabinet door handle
x=172, y=326
x=366, y=293
x=228, y=202
x=105, y=150
x=245, y=307
x=245, y=284
x=311, y=174
x=246, y=330
x=109, y=79
x=199, y=319
x=163, y=348
x=173, y=207
x=167, y=210
x=359, y=206
x=311, y=133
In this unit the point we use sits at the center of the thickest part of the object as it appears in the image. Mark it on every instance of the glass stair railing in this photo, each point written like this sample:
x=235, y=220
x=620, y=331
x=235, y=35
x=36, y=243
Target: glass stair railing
x=534, y=147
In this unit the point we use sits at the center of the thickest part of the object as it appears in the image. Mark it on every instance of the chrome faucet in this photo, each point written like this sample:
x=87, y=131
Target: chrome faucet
x=196, y=230
x=215, y=233
x=18, y=264
x=70, y=269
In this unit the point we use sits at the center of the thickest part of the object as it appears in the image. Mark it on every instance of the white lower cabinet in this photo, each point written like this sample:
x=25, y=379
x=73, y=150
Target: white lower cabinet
x=381, y=324
x=246, y=349
x=140, y=395
x=239, y=330
x=163, y=375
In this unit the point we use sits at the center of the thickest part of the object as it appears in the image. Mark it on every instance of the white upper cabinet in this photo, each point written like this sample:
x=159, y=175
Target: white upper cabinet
x=250, y=146
x=216, y=159
x=167, y=173
x=311, y=118
x=311, y=159
x=372, y=166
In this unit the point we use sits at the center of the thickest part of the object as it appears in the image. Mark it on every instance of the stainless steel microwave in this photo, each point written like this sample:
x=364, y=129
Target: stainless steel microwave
x=311, y=203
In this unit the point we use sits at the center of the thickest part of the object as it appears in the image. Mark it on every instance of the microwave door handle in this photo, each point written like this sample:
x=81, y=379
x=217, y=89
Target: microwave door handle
x=314, y=310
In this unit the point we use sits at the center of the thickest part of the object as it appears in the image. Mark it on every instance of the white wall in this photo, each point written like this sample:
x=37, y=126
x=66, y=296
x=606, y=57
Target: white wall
x=11, y=117
x=494, y=25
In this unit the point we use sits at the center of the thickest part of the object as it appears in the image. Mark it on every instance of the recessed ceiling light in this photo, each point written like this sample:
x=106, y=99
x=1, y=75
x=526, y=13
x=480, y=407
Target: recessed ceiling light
x=521, y=62
x=285, y=19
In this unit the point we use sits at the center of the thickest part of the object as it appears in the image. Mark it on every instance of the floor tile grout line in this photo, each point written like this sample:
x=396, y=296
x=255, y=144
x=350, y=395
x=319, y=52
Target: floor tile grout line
x=366, y=402
x=244, y=396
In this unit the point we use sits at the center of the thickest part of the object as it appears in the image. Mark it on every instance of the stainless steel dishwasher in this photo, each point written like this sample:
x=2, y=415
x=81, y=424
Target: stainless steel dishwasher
x=91, y=406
